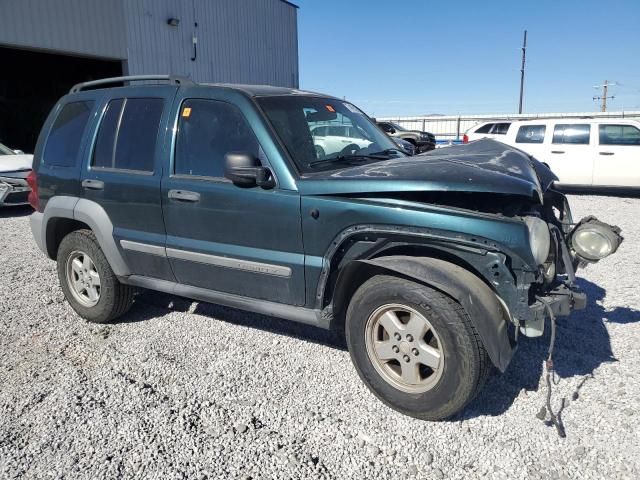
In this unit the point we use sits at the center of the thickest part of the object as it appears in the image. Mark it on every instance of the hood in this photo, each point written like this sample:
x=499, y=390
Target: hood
x=485, y=166
x=14, y=163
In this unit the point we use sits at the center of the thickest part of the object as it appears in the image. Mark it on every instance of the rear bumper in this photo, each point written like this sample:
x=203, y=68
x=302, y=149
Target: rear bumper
x=36, y=221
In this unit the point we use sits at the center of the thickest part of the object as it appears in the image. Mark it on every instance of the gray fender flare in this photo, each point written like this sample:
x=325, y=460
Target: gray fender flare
x=94, y=215
x=480, y=302
x=85, y=211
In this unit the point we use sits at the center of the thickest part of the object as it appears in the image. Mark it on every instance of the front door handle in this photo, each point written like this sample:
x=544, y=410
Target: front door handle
x=90, y=184
x=557, y=151
x=184, y=196
x=606, y=153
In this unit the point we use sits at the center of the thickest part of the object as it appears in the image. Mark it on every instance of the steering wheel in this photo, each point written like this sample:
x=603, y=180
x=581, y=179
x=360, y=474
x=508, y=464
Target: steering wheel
x=350, y=149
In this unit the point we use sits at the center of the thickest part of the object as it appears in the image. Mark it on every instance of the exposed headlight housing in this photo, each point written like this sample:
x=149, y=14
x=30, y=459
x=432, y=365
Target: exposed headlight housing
x=593, y=240
x=539, y=238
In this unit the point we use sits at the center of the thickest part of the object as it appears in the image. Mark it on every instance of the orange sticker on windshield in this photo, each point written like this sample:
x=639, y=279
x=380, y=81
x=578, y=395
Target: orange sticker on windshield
x=186, y=112
x=330, y=108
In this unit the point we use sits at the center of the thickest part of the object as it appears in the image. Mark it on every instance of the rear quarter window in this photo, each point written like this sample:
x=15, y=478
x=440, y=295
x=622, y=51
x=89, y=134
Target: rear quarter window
x=65, y=137
x=484, y=128
x=500, y=128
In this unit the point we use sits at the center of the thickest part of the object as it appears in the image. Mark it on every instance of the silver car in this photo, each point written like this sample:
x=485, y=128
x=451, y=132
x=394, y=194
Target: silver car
x=15, y=166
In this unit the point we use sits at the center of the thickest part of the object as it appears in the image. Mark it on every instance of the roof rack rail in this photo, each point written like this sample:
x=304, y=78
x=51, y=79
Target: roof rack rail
x=172, y=79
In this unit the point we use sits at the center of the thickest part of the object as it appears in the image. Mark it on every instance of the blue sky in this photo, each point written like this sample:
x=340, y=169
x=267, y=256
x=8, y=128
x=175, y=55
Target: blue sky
x=412, y=57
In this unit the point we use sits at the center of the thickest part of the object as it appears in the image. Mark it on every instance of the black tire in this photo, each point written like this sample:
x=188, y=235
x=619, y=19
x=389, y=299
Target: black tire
x=115, y=298
x=466, y=363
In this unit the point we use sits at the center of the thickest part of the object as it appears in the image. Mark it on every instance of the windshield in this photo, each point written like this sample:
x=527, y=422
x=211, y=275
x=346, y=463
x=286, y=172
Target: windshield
x=324, y=133
x=397, y=127
x=6, y=150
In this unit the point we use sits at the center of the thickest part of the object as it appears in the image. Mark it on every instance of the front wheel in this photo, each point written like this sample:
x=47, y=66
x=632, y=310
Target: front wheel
x=86, y=278
x=414, y=347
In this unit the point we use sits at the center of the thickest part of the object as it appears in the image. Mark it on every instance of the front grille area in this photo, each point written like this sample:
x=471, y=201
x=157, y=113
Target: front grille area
x=17, y=198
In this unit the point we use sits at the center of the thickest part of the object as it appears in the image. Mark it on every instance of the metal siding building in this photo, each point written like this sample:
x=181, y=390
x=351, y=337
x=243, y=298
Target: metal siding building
x=72, y=27
x=49, y=45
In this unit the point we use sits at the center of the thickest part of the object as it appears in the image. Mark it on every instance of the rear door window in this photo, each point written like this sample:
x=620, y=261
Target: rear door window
x=128, y=134
x=619, y=135
x=531, y=134
x=573, y=134
x=63, y=144
x=207, y=131
x=103, y=151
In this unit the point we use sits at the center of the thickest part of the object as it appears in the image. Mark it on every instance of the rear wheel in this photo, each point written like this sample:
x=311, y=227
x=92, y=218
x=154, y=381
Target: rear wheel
x=88, y=283
x=414, y=347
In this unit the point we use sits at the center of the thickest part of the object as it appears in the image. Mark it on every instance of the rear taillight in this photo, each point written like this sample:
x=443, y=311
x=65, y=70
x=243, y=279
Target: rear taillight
x=465, y=138
x=34, y=198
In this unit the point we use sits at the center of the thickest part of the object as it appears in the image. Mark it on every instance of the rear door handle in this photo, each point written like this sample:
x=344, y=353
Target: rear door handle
x=557, y=151
x=606, y=153
x=90, y=184
x=184, y=196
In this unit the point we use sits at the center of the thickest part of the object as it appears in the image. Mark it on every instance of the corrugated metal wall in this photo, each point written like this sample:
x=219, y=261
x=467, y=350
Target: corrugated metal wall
x=238, y=41
x=84, y=27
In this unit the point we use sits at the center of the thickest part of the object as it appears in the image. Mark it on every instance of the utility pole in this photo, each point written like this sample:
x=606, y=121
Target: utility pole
x=605, y=89
x=524, y=53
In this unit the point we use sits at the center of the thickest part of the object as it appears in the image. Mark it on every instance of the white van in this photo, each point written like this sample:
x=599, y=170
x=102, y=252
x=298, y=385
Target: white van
x=583, y=152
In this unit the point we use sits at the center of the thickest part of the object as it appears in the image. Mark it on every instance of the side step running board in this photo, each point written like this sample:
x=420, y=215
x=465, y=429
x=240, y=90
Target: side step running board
x=307, y=316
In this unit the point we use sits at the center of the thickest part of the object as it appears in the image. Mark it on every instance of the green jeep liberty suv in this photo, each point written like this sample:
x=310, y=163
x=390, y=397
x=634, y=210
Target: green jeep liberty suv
x=431, y=265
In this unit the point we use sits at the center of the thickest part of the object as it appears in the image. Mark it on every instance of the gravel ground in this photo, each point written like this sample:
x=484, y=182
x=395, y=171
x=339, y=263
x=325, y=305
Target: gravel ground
x=181, y=389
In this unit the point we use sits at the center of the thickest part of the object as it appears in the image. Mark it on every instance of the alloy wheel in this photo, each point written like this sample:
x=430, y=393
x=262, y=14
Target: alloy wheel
x=404, y=348
x=83, y=279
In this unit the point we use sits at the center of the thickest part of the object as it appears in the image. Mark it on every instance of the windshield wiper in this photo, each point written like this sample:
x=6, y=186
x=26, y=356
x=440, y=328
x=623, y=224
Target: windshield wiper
x=389, y=151
x=350, y=159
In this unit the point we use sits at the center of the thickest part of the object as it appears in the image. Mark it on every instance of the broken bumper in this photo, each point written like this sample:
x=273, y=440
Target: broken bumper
x=13, y=191
x=562, y=300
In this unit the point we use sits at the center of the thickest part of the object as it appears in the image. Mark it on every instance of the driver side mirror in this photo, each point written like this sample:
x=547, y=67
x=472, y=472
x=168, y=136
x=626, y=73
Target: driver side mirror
x=18, y=152
x=244, y=170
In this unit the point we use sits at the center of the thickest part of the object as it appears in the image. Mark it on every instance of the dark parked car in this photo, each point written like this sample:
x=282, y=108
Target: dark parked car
x=430, y=265
x=406, y=147
x=423, y=141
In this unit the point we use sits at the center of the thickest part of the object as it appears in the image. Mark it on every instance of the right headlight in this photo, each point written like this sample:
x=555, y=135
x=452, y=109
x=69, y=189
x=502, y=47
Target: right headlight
x=593, y=240
x=539, y=238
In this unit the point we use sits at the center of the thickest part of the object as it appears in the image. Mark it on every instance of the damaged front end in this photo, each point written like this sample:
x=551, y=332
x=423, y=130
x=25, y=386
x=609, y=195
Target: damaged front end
x=565, y=246
x=14, y=189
